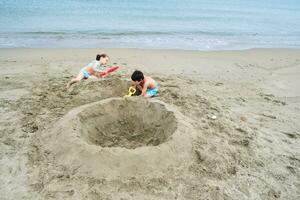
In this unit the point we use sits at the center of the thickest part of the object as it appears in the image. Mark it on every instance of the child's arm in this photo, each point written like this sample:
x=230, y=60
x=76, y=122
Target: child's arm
x=144, y=89
x=139, y=87
x=95, y=68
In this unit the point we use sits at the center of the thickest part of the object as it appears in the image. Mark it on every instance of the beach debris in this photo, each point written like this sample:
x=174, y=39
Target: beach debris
x=213, y=117
x=269, y=116
x=291, y=135
x=219, y=84
x=272, y=98
x=200, y=156
x=241, y=130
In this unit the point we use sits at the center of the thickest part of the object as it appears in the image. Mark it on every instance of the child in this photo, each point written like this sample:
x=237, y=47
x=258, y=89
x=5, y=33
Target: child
x=145, y=84
x=88, y=71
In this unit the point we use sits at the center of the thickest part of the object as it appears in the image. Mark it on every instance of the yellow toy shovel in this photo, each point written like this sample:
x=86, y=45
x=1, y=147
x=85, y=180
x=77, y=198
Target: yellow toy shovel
x=131, y=91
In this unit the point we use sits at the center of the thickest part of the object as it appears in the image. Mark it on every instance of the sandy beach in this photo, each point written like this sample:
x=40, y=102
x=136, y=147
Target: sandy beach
x=225, y=125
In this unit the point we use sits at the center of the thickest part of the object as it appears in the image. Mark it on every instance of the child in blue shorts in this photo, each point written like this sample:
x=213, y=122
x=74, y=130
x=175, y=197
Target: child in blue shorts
x=89, y=70
x=145, y=84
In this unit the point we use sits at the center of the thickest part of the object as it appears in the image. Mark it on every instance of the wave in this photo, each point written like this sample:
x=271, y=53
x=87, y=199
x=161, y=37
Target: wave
x=139, y=33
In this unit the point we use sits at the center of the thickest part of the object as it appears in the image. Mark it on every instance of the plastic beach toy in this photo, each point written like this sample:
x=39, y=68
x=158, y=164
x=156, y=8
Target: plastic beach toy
x=114, y=68
x=131, y=91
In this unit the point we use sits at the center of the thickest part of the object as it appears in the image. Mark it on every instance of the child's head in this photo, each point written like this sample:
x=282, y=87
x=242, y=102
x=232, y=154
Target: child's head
x=137, y=76
x=103, y=58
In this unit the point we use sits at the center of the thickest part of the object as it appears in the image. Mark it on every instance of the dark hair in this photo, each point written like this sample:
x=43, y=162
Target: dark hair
x=137, y=76
x=101, y=56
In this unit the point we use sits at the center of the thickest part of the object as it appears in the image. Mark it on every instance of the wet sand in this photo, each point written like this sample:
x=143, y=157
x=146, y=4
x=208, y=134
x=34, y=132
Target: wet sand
x=225, y=125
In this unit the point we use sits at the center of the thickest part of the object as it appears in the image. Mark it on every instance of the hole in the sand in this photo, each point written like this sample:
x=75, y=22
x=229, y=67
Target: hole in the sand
x=128, y=124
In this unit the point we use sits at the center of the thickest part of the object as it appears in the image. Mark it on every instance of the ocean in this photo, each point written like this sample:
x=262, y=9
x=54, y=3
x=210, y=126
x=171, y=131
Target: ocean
x=154, y=24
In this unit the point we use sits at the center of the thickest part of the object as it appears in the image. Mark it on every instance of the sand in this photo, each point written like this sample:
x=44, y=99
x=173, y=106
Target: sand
x=225, y=125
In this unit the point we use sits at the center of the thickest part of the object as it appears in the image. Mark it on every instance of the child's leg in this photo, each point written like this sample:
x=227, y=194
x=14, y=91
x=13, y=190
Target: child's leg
x=147, y=95
x=92, y=77
x=75, y=80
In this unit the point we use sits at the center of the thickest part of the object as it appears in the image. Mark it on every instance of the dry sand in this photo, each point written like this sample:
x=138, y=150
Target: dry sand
x=224, y=126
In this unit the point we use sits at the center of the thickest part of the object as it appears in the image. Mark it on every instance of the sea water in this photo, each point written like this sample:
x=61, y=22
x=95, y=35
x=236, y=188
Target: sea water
x=159, y=24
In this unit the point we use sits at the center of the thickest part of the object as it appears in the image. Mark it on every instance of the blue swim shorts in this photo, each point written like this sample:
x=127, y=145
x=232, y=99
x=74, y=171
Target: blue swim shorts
x=85, y=73
x=152, y=92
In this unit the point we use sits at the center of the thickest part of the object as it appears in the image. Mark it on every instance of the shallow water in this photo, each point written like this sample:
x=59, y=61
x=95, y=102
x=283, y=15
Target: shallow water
x=193, y=24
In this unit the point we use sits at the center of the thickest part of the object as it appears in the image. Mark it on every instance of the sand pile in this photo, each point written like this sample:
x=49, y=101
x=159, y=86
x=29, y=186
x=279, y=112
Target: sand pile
x=119, y=137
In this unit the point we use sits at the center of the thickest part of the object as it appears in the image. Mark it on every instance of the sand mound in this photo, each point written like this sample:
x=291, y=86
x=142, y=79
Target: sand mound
x=128, y=124
x=95, y=90
x=52, y=99
x=119, y=137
